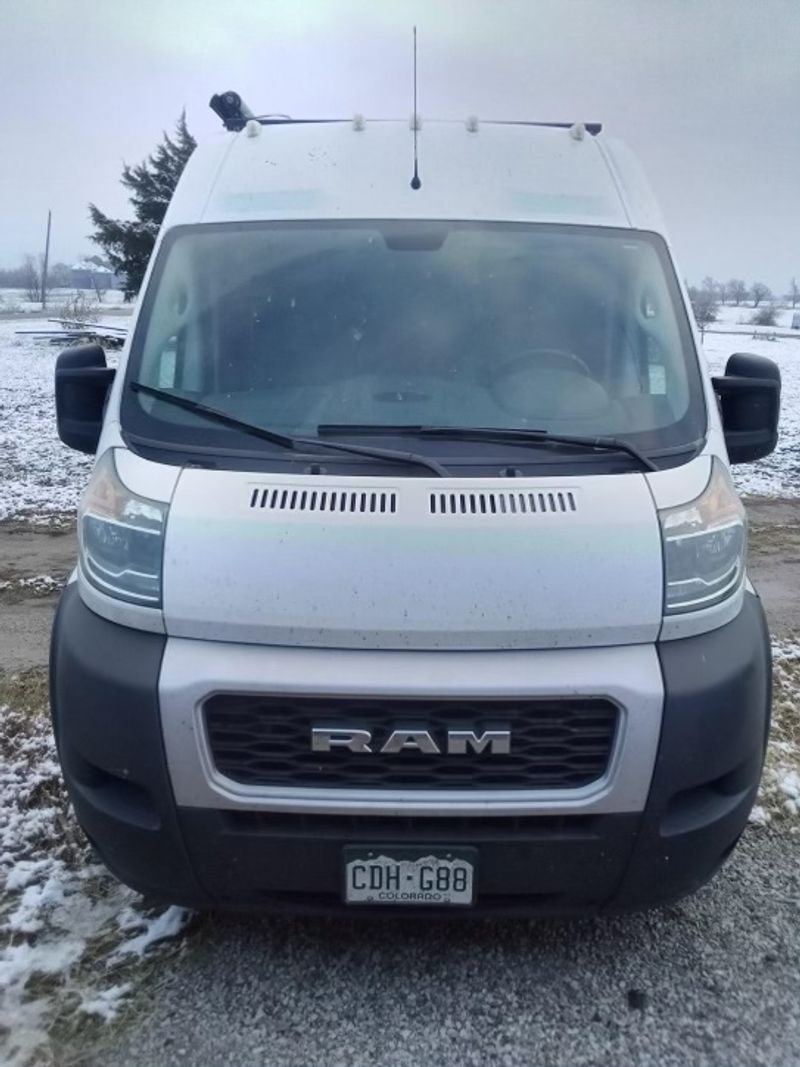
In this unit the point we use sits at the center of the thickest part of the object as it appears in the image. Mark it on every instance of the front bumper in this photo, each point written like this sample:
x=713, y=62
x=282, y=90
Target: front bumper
x=559, y=859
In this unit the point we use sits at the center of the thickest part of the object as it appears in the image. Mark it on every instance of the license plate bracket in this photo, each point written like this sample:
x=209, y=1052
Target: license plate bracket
x=411, y=875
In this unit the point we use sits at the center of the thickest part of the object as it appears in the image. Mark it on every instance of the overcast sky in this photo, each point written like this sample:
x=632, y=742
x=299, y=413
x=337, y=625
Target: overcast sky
x=707, y=92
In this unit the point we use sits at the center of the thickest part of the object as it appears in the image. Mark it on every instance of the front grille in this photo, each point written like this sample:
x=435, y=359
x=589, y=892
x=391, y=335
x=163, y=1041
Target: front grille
x=266, y=740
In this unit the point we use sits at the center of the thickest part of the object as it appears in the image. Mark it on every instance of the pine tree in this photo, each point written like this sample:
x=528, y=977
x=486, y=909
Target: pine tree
x=128, y=244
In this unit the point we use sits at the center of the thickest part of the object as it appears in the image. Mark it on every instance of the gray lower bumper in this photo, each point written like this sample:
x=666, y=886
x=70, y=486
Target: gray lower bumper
x=710, y=750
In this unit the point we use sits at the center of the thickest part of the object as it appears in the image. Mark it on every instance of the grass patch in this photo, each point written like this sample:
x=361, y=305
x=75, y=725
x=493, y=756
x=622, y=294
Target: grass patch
x=24, y=691
x=779, y=797
x=786, y=695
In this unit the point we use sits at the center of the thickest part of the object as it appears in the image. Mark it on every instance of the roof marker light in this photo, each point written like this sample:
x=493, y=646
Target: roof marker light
x=358, y=123
x=253, y=127
x=577, y=131
x=472, y=124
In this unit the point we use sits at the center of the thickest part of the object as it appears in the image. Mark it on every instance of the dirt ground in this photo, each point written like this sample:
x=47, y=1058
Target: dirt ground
x=26, y=607
x=775, y=561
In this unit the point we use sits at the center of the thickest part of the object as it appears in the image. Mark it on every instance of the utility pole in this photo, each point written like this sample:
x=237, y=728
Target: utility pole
x=46, y=261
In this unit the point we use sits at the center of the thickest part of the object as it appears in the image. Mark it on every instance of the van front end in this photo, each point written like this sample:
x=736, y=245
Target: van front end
x=358, y=725
x=411, y=569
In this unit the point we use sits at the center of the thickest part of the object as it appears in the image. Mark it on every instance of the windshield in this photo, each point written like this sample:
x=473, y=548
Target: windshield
x=290, y=326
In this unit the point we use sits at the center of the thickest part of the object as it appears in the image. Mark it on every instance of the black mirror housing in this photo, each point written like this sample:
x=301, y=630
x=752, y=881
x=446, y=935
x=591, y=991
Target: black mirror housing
x=83, y=382
x=749, y=396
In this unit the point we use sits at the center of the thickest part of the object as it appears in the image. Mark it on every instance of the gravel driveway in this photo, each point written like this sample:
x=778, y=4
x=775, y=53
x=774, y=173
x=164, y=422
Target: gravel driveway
x=712, y=980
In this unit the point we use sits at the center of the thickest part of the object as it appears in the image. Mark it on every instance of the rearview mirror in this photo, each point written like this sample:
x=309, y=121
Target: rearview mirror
x=82, y=384
x=749, y=397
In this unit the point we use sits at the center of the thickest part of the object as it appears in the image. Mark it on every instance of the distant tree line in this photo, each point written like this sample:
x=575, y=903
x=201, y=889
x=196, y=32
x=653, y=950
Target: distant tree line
x=28, y=276
x=710, y=295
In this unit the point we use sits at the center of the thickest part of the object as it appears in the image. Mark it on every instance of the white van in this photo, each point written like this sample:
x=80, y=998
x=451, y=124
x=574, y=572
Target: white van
x=411, y=570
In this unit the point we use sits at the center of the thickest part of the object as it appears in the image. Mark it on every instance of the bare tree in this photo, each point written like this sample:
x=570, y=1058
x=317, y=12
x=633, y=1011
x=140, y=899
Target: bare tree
x=77, y=308
x=794, y=292
x=736, y=290
x=715, y=289
x=31, y=280
x=704, y=304
x=99, y=290
x=759, y=292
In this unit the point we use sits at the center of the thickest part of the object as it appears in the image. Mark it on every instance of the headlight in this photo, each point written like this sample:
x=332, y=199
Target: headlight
x=121, y=538
x=705, y=544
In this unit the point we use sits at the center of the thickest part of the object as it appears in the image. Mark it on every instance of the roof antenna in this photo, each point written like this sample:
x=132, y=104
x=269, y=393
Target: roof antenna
x=415, y=181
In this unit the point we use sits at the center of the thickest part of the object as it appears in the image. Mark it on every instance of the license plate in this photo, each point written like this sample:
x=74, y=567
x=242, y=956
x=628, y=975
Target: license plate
x=410, y=876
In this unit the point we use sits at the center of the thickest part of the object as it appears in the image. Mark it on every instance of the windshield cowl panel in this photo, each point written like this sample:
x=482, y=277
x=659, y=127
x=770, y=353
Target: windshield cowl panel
x=461, y=459
x=577, y=331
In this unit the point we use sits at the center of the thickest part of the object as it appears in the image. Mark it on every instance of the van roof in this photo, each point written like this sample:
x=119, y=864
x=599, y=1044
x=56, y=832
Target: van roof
x=358, y=169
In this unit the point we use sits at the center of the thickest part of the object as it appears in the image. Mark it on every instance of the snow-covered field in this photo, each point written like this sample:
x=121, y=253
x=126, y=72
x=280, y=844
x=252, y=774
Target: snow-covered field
x=40, y=479
x=16, y=302
x=738, y=319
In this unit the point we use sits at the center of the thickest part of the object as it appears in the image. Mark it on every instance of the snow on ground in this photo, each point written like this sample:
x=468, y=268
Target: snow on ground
x=778, y=474
x=35, y=585
x=40, y=478
x=74, y=942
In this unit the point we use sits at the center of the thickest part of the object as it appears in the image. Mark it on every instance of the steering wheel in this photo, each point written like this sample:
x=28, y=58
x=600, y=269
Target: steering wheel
x=542, y=359
x=543, y=382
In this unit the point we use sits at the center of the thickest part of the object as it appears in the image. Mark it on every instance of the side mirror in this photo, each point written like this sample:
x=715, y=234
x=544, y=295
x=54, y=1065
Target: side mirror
x=749, y=397
x=82, y=384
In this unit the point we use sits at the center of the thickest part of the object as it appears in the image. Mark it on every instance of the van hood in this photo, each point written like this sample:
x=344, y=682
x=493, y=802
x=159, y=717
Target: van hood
x=412, y=563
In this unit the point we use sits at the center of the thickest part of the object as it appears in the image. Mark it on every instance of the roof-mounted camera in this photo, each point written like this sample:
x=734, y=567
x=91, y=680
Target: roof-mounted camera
x=233, y=111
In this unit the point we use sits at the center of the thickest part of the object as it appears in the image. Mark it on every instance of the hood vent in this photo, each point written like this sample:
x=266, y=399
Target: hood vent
x=441, y=502
x=351, y=501
x=503, y=502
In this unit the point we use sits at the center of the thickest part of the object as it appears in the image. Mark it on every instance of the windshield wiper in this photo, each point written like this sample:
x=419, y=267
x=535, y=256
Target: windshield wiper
x=282, y=439
x=495, y=433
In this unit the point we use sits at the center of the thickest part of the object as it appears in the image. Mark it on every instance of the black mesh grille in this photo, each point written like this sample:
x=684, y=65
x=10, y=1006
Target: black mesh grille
x=555, y=744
